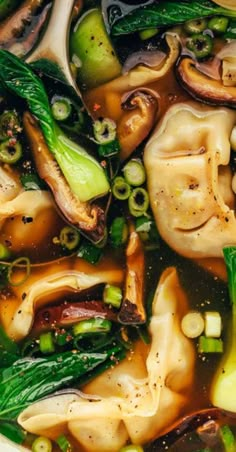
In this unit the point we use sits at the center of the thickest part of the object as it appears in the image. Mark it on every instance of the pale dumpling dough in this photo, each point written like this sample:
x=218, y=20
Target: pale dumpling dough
x=190, y=181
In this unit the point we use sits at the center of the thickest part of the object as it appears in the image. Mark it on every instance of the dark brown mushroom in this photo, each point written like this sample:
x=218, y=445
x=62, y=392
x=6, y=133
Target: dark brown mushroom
x=67, y=314
x=89, y=218
x=200, y=427
x=12, y=27
x=132, y=310
x=203, y=87
x=140, y=108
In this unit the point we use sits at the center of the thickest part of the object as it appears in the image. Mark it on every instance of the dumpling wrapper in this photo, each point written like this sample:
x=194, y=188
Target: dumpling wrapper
x=45, y=284
x=140, y=397
x=190, y=181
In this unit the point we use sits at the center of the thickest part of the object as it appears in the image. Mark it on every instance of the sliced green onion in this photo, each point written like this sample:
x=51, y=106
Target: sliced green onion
x=69, y=238
x=42, y=444
x=121, y=189
x=62, y=338
x=119, y=232
x=227, y=438
x=112, y=295
x=210, y=345
x=104, y=130
x=89, y=252
x=89, y=326
x=213, y=324
x=192, y=324
x=61, y=109
x=132, y=448
x=109, y=149
x=21, y=262
x=218, y=25
x=10, y=151
x=9, y=124
x=201, y=45
x=4, y=252
x=134, y=173
x=195, y=26
x=64, y=444
x=147, y=34
x=46, y=344
x=138, y=202
x=31, y=181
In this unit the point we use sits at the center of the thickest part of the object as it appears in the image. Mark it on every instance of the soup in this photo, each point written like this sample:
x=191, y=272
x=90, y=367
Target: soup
x=117, y=225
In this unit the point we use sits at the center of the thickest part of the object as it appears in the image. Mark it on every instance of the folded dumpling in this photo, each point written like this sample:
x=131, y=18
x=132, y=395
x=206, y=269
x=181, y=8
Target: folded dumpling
x=190, y=181
x=137, y=399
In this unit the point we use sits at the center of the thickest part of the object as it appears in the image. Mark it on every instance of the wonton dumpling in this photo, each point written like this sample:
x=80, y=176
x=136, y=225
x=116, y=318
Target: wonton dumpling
x=45, y=284
x=189, y=180
x=137, y=399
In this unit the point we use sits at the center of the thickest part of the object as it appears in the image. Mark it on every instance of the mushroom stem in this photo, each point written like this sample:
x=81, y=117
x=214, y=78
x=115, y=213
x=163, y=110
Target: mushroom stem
x=87, y=217
x=132, y=309
x=136, y=123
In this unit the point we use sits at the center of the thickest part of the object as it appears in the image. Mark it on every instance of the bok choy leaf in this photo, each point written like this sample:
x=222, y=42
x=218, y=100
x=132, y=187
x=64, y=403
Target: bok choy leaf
x=223, y=389
x=85, y=176
x=164, y=14
x=29, y=380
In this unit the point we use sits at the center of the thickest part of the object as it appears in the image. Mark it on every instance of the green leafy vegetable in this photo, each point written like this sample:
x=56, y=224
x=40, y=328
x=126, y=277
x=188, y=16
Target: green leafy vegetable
x=28, y=380
x=223, y=388
x=13, y=432
x=167, y=14
x=83, y=173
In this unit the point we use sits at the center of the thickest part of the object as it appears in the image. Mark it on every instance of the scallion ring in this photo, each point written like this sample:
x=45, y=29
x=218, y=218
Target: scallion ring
x=61, y=109
x=138, y=202
x=104, y=130
x=69, y=238
x=10, y=151
x=121, y=189
x=134, y=173
x=19, y=263
x=42, y=444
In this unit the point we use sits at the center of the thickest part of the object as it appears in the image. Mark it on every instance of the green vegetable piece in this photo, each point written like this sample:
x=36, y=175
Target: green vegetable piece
x=148, y=34
x=61, y=109
x=42, y=444
x=210, y=345
x=19, y=384
x=91, y=44
x=90, y=252
x=119, y=232
x=218, y=25
x=10, y=151
x=201, y=45
x=166, y=14
x=89, y=326
x=69, y=238
x=104, y=130
x=138, y=202
x=22, y=262
x=195, y=26
x=4, y=252
x=222, y=391
x=9, y=124
x=8, y=344
x=46, y=344
x=108, y=150
x=31, y=181
x=227, y=438
x=13, y=432
x=64, y=444
x=112, y=295
x=132, y=448
x=121, y=189
x=231, y=30
x=6, y=7
x=83, y=173
x=134, y=173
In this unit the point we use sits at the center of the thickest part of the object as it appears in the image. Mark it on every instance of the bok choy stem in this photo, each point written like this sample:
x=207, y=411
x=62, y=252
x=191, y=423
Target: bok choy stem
x=83, y=173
